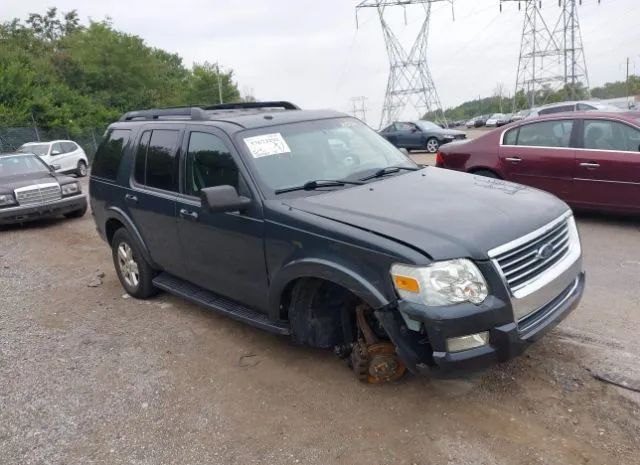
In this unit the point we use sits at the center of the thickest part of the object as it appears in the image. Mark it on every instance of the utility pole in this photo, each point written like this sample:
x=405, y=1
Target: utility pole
x=410, y=83
x=627, y=82
x=219, y=82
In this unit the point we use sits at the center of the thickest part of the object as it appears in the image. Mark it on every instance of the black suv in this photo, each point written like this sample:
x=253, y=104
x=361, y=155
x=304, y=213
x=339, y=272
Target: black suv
x=309, y=224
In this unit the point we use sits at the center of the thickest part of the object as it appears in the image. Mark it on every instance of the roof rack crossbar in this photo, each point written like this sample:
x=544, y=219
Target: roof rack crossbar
x=194, y=113
x=252, y=105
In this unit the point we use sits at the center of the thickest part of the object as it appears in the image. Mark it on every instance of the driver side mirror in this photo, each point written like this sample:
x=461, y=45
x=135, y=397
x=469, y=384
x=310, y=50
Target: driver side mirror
x=414, y=129
x=55, y=152
x=219, y=199
x=404, y=151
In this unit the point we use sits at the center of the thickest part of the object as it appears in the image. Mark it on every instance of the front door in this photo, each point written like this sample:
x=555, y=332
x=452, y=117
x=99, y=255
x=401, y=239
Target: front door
x=607, y=167
x=151, y=198
x=540, y=155
x=224, y=252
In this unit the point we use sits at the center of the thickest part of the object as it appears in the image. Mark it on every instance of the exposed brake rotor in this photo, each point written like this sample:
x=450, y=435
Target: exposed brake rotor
x=374, y=361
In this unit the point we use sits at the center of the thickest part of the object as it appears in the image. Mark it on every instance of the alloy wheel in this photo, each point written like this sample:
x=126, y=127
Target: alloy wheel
x=128, y=265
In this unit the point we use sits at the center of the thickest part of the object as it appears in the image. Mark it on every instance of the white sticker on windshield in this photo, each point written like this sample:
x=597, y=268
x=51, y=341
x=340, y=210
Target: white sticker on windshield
x=267, y=145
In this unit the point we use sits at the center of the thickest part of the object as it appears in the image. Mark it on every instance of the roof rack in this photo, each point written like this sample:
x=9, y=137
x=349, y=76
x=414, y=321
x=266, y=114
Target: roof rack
x=192, y=113
x=198, y=113
x=253, y=105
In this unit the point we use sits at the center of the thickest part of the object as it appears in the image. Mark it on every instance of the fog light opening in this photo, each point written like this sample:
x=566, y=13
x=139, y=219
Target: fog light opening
x=471, y=341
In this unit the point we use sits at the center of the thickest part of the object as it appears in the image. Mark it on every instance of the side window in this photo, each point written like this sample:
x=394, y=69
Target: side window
x=610, y=135
x=209, y=164
x=546, y=134
x=585, y=107
x=160, y=167
x=57, y=149
x=141, y=158
x=510, y=137
x=69, y=146
x=109, y=154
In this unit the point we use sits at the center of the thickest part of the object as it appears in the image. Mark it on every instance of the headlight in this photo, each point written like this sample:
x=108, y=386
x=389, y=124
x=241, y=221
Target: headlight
x=7, y=199
x=448, y=136
x=441, y=283
x=70, y=189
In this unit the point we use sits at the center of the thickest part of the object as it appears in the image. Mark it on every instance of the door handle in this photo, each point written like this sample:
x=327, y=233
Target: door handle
x=590, y=164
x=514, y=159
x=130, y=198
x=188, y=214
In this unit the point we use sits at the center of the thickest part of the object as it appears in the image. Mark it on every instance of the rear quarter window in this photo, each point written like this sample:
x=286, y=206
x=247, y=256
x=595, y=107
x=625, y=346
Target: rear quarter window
x=109, y=154
x=510, y=137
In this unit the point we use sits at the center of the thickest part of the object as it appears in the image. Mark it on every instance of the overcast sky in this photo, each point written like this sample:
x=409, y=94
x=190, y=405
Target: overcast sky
x=310, y=52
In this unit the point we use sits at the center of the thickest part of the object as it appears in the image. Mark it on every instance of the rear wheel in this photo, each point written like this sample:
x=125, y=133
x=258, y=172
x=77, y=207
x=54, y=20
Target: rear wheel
x=486, y=174
x=432, y=145
x=81, y=170
x=135, y=274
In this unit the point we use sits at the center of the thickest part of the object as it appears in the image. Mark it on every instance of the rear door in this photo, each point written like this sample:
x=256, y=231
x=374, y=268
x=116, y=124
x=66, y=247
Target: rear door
x=224, y=252
x=607, y=167
x=540, y=154
x=151, y=198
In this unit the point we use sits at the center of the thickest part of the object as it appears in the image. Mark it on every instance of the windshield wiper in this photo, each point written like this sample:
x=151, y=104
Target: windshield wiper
x=311, y=185
x=389, y=170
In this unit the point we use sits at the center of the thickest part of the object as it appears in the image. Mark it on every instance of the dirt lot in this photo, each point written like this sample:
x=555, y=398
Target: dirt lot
x=90, y=376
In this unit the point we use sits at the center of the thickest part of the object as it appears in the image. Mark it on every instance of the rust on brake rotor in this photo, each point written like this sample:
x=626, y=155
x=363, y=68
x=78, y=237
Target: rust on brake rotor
x=374, y=361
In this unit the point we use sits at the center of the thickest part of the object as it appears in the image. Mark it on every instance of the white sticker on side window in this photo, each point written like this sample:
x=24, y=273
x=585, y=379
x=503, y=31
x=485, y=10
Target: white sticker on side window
x=267, y=145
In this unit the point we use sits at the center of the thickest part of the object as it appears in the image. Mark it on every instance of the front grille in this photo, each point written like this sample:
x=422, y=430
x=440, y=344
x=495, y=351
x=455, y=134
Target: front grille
x=527, y=261
x=38, y=194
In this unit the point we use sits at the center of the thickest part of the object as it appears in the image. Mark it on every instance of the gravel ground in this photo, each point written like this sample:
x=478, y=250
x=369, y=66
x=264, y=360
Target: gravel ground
x=90, y=376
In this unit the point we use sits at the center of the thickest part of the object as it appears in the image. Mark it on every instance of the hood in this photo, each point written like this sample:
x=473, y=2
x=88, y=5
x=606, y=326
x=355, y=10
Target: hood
x=9, y=183
x=444, y=214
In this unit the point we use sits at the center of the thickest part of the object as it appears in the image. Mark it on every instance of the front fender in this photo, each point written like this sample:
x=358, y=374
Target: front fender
x=330, y=271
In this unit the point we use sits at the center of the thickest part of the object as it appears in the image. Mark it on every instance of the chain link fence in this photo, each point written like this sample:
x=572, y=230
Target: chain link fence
x=13, y=137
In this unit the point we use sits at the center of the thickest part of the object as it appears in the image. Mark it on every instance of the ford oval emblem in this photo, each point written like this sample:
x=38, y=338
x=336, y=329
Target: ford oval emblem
x=545, y=251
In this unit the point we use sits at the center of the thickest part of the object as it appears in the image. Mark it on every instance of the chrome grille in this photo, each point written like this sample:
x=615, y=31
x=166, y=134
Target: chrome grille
x=527, y=261
x=38, y=194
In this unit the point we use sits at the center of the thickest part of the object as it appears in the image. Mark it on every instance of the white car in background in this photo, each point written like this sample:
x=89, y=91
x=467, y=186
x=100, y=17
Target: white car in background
x=64, y=156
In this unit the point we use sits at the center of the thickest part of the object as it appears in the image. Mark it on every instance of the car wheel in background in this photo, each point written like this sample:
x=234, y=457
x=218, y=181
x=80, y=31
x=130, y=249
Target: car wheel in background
x=486, y=174
x=77, y=213
x=81, y=170
x=135, y=274
x=432, y=145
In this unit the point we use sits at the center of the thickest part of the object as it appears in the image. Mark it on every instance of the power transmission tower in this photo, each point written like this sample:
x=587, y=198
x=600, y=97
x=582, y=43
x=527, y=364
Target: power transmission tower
x=550, y=59
x=360, y=108
x=567, y=32
x=410, y=83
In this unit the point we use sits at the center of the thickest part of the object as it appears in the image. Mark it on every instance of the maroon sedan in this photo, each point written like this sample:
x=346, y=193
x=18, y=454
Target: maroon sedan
x=591, y=160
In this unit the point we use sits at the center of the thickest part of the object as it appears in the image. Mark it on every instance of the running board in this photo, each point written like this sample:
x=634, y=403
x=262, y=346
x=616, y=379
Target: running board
x=222, y=305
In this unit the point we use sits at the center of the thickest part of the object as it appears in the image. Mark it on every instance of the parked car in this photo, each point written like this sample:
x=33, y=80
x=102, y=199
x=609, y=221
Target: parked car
x=477, y=121
x=496, y=120
x=563, y=107
x=589, y=159
x=420, y=135
x=255, y=211
x=65, y=156
x=519, y=115
x=29, y=190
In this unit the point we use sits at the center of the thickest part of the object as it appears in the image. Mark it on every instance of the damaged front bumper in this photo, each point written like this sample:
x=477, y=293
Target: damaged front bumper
x=426, y=352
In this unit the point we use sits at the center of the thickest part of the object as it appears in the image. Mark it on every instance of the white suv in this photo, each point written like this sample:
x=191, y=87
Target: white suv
x=64, y=156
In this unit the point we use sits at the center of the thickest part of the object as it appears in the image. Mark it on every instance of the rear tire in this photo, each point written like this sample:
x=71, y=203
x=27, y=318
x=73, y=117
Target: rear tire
x=486, y=174
x=134, y=273
x=81, y=170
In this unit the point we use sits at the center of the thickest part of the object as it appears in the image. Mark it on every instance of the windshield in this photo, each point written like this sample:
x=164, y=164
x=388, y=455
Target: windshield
x=38, y=149
x=21, y=164
x=332, y=149
x=427, y=125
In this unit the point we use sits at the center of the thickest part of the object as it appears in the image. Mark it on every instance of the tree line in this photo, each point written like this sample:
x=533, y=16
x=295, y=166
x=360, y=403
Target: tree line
x=56, y=71
x=498, y=103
